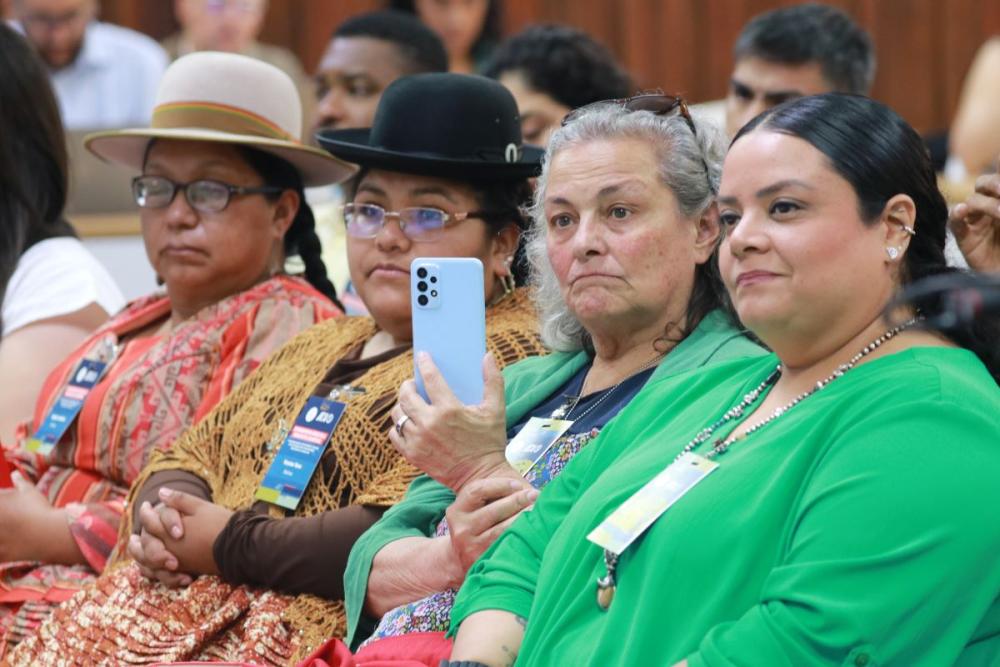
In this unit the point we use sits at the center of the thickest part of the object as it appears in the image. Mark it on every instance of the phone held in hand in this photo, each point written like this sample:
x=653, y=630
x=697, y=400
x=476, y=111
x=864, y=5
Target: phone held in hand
x=449, y=322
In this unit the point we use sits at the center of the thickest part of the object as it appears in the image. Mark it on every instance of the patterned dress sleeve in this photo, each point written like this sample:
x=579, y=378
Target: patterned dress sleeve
x=247, y=341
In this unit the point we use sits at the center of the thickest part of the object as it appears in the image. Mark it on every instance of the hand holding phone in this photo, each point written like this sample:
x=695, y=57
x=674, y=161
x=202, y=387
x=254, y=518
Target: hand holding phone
x=449, y=322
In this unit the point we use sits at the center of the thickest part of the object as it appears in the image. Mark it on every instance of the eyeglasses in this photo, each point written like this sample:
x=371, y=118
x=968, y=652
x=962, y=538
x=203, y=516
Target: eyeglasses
x=657, y=103
x=364, y=221
x=203, y=195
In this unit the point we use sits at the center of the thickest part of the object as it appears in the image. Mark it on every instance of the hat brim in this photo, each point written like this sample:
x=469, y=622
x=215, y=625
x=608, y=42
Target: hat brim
x=354, y=146
x=128, y=147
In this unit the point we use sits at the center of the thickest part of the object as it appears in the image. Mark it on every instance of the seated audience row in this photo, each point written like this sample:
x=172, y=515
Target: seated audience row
x=646, y=258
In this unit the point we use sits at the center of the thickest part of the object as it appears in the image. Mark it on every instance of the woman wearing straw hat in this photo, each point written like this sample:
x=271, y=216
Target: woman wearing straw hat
x=443, y=175
x=220, y=197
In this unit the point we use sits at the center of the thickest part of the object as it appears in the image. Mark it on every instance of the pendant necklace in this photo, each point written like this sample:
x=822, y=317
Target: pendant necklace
x=607, y=584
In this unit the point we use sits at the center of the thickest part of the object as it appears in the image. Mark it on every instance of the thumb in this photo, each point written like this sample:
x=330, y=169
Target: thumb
x=493, y=394
x=184, y=503
x=19, y=482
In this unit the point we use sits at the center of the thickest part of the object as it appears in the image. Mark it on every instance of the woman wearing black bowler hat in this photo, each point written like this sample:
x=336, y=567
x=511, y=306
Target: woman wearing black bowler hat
x=443, y=173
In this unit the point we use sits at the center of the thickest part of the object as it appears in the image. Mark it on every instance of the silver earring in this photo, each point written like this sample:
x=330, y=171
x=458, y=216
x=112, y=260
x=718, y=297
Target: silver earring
x=893, y=252
x=507, y=280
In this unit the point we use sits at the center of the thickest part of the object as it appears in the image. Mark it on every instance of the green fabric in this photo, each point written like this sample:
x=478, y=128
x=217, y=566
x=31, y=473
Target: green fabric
x=859, y=528
x=526, y=384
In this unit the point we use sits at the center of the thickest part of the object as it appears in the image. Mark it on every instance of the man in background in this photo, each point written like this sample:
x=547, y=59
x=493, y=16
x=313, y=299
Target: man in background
x=105, y=76
x=365, y=54
x=794, y=51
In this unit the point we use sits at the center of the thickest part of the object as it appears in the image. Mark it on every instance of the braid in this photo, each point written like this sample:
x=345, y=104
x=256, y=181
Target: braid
x=303, y=241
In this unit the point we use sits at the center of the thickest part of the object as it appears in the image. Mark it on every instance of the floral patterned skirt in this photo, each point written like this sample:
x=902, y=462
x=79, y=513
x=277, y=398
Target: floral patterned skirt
x=126, y=618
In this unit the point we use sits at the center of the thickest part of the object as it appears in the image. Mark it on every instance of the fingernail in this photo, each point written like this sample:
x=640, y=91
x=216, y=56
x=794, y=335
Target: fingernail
x=185, y=581
x=146, y=505
x=176, y=532
x=531, y=495
x=165, y=492
x=133, y=540
x=171, y=564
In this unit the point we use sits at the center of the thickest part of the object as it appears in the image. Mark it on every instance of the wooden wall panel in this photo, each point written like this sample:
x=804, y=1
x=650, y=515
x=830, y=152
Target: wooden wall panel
x=924, y=46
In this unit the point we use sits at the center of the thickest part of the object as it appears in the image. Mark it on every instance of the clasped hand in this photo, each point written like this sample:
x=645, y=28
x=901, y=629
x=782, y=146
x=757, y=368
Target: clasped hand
x=451, y=442
x=175, y=540
x=28, y=519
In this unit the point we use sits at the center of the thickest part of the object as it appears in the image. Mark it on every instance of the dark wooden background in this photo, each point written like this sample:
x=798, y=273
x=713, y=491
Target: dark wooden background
x=924, y=46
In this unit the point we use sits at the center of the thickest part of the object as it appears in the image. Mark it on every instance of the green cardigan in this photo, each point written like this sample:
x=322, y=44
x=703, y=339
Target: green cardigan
x=860, y=528
x=527, y=383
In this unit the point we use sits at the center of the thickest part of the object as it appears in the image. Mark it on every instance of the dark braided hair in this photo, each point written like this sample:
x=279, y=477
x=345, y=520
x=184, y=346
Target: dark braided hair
x=301, y=238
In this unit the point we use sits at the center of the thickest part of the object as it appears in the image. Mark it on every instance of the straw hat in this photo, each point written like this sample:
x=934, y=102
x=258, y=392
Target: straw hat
x=230, y=99
x=439, y=124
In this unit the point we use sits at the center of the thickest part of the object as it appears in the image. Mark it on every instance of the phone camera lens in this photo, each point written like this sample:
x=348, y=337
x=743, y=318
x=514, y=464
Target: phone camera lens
x=434, y=292
x=422, y=286
x=422, y=299
x=421, y=272
x=434, y=279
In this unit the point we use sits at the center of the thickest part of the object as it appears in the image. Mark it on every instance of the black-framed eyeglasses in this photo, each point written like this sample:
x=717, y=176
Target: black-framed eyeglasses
x=204, y=195
x=364, y=221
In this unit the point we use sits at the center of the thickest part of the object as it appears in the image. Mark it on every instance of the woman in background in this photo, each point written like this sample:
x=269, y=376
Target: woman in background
x=470, y=29
x=52, y=290
x=551, y=70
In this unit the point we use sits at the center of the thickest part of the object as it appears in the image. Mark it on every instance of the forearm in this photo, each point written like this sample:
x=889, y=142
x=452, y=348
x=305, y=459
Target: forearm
x=54, y=541
x=410, y=569
x=492, y=637
x=294, y=555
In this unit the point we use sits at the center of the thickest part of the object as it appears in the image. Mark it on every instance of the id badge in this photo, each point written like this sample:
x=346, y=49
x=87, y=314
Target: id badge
x=293, y=466
x=646, y=505
x=533, y=440
x=66, y=407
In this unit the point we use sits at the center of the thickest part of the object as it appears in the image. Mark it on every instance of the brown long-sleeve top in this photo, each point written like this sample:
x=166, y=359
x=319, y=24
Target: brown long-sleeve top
x=305, y=554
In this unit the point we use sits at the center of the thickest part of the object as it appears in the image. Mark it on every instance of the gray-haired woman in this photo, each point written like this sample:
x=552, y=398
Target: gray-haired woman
x=621, y=251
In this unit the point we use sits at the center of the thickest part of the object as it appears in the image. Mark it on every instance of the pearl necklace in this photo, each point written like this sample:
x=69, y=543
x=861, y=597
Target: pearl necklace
x=606, y=585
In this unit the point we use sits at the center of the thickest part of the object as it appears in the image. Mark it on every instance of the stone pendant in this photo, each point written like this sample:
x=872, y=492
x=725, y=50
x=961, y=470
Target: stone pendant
x=605, y=592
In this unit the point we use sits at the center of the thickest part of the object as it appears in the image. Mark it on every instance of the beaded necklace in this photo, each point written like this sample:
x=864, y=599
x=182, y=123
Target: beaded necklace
x=606, y=585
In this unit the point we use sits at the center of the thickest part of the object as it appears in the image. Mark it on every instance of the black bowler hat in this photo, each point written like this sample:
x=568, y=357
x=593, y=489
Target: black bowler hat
x=438, y=124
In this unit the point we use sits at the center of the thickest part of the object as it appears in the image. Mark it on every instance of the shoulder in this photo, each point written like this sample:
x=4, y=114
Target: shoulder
x=126, y=46
x=512, y=328
x=55, y=277
x=280, y=57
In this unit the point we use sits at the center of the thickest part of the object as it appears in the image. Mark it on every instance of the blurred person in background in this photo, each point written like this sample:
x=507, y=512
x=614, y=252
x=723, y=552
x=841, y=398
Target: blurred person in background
x=976, y=225
x=365, y=54
x=470, y=29
x=551, y=70
x=104, y=75
x=52, y=290
x=232, y=26
x=795, y=51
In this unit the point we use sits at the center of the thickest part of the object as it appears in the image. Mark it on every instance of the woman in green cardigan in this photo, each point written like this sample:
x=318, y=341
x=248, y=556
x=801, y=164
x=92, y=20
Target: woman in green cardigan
x=621, y=245
x=831, y=504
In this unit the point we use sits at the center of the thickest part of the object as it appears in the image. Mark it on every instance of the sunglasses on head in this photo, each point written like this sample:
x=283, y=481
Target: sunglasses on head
x=656, y=102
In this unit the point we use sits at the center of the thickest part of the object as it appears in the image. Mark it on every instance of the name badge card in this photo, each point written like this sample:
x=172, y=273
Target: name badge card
x=66, y=407
x=286, y=480
x=646, y=505
x=533, y=440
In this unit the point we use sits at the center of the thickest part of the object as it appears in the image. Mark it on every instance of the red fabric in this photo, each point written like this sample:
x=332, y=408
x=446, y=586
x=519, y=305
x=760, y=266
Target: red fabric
x=418, y=649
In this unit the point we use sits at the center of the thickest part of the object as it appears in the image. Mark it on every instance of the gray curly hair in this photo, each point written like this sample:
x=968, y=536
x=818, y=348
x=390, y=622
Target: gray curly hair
x=683, y=159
